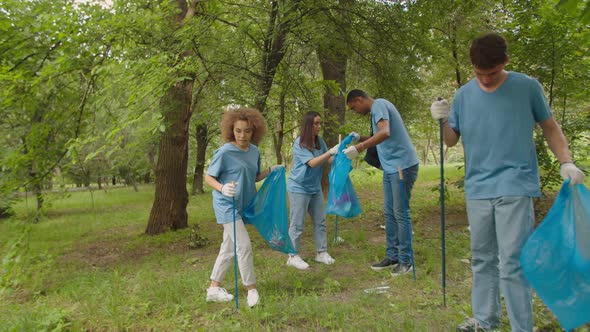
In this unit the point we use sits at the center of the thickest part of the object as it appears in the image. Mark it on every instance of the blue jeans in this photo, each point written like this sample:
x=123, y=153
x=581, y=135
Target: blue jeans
x=299, y=206
x=394, y=210
x=499, y=229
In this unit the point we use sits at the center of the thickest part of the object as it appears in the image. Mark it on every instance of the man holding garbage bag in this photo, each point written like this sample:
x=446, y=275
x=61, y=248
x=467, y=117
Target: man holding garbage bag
x=495, y=115
x=396, y=151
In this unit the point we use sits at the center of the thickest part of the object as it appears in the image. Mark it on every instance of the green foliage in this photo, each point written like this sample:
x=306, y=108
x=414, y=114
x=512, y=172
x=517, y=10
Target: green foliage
x=575, y=6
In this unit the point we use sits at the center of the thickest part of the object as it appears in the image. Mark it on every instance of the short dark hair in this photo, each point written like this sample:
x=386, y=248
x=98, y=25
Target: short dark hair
x=488, y=51
x=356, y=93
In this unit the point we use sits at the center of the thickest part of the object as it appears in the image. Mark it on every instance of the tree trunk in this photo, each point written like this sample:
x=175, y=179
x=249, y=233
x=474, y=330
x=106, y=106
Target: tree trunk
x=434, y=155
x=274, y=49
x=40, y=200
x=201, y=135
x=454, y=47
x=147, y=178
x=333, y=69
x=425, y=152
x=171, y=197
x=278, y=134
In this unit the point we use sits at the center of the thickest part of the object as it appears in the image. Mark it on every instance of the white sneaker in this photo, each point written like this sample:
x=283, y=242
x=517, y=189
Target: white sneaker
x=297, y=262
x=253, y=297
x=218, y=294
x=324, y=257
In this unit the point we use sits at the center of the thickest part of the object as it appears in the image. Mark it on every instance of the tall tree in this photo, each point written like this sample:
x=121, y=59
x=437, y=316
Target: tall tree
x=333, y=53
x=171, y=197
x=282, y=16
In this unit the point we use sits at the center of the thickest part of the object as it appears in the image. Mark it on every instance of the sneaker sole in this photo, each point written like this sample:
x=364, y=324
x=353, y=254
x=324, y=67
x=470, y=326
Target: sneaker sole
x=217, y=300
x=401, y=274
x=295, y=267
x=381, y=268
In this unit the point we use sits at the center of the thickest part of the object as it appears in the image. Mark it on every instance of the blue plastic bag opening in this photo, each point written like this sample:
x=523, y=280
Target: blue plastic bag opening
x=268, y=212
x=556, y=257
x=342, y=199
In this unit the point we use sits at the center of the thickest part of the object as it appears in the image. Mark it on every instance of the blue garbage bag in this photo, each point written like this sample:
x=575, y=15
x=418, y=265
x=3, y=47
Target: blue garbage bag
x=268, y=212
x=342, y=199
x=556, y=257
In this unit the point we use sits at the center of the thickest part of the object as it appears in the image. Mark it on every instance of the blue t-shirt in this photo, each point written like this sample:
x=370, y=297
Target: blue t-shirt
x=397, y=150
x=497, y=133
x=229, y=164
x=304, y=179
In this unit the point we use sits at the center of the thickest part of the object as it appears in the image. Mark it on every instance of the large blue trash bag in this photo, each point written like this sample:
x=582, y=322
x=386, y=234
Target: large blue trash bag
x=268, y=212
x=342, y=199
x=556, y=257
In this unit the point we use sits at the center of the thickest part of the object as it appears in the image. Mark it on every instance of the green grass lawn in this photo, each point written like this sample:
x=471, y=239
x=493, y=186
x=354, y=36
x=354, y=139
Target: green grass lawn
x=89, y=267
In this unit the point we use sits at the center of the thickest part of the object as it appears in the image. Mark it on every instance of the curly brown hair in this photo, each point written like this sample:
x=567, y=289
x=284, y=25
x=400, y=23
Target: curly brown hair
x=250, y=115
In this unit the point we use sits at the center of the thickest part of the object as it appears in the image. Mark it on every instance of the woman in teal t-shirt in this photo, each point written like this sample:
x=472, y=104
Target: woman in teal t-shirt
x=233, y=173
x=305, y=191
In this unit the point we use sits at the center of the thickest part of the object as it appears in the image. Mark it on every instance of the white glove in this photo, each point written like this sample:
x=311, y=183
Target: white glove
x=440, y=109
x=334, y=150
x=229, y=189
x=273, y=167
x=570, y=171
x=351, y=152
x=356, y=137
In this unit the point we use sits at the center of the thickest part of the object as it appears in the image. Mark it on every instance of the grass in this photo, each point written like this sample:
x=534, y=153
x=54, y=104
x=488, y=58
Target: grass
x=89, y=267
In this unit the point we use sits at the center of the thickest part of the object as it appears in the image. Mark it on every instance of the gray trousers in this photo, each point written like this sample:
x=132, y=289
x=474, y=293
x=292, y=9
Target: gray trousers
x=299, y=206
x=226, y=254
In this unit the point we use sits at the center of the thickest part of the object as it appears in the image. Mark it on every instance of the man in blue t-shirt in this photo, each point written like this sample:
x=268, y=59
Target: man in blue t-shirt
x=396, y=152
x=495, y=114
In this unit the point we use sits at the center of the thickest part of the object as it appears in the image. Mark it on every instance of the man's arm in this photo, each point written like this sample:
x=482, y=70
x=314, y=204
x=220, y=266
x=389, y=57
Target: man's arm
x=556, y=140
x=450, y=136
x=558, y=145
x=381, y=135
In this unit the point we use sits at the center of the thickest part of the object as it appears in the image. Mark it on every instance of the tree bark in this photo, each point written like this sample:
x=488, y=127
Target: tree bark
x=171, y=197
x=278, y=134
x=274, y=48
x=333, y=68
x=201, y=134
x=333, y=59
x=454, y=47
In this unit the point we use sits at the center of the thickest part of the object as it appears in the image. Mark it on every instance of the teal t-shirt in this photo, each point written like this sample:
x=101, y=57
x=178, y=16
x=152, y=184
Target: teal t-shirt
x=397, y=150
x=304, y=179
x=497, y=133
x=229, y=164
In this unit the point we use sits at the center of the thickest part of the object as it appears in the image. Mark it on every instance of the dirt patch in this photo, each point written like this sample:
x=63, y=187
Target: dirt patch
x=115, y=247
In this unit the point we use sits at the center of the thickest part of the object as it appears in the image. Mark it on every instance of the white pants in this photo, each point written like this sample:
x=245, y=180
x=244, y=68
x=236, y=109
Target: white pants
x=226, y=254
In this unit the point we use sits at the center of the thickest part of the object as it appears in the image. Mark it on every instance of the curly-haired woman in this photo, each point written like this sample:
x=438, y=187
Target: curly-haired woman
x=232, y=174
